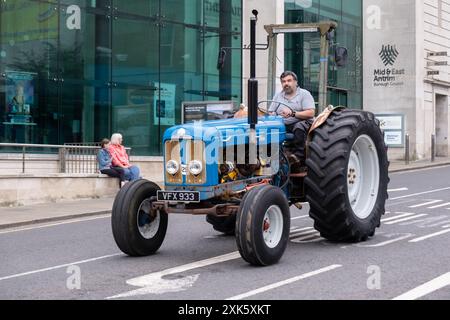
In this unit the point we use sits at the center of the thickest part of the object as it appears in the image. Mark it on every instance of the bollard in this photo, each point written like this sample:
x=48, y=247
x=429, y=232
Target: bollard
x=407, y=149
x=433, y=148
x=23, y=159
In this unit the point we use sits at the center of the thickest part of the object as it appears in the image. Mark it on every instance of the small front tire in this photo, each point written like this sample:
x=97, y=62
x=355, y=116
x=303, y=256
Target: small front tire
x=263, y=225
x=136, y=229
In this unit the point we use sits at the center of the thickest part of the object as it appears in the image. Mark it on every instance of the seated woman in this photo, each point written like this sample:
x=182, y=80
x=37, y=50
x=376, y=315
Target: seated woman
x=105, y=162
x=120, y=158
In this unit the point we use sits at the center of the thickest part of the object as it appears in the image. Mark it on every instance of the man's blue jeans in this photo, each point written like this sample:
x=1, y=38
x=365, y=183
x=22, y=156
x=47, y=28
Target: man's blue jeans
x=132, y=173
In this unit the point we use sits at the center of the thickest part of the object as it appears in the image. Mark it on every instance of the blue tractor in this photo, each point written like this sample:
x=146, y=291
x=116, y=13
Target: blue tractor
x=236, y=172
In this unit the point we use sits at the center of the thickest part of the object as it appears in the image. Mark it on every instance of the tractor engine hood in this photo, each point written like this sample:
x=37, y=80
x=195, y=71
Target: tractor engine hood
x=230, y=131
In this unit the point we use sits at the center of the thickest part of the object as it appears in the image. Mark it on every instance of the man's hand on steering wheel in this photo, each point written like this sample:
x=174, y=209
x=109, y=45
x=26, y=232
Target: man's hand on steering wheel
x=287, y=113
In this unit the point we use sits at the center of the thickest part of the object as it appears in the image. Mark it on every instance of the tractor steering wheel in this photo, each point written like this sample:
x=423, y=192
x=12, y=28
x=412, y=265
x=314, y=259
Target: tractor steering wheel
x=266, y=111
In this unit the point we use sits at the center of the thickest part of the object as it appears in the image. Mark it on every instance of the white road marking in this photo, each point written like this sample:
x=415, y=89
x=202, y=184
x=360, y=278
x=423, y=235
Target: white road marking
x=427, y=288
x=285, y=282
x=448, y=226
x=398, y=190
x=430, y=236
x=294, y=230
x=437, y=224
x=425, y=204
x=440, y=206
x=154, y=284
x=59, y=267
x=406, y=219
x=308, y=239
x=304, y=233
x=55, y=224
x=385, y=243
x=420, y=193
x=301, y=217
x=397, y=217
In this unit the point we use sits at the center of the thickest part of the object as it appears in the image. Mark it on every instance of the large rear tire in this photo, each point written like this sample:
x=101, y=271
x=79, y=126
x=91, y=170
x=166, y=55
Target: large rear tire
x=347, y=177
x=225, y=225
x=263, y=225
x=136, y=229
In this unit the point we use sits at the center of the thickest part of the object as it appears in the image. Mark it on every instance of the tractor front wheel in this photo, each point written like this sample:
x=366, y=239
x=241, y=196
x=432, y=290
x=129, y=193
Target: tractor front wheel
x=263, y=225
x=137, y=229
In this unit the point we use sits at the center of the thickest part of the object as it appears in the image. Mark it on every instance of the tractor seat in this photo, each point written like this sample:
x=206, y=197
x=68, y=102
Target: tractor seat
x=290, y=137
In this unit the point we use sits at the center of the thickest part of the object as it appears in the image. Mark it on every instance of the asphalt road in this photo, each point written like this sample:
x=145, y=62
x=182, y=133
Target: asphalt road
x=409, y=258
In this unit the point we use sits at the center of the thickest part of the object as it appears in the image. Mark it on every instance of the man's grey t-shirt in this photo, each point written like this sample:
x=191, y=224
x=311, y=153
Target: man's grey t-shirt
x=303, y=100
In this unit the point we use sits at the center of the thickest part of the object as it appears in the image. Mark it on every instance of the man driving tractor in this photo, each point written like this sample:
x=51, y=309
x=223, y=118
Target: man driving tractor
x=299, y=118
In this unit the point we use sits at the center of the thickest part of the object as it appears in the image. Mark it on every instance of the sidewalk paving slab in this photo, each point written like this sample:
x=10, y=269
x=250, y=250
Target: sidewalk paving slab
x=50, y=212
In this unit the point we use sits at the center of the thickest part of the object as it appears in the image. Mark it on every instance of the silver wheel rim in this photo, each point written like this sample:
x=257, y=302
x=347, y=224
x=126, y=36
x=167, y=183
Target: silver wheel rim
x=272, y=226
x=363, y=176
x=147, y=226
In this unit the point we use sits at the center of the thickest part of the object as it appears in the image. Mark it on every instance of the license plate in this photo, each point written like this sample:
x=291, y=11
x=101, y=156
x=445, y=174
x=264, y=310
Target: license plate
x=179, y=196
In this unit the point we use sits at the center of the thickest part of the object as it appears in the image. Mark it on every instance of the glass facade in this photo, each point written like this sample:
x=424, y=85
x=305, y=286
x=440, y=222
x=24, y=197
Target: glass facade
x=302, y=54
x=79, y=70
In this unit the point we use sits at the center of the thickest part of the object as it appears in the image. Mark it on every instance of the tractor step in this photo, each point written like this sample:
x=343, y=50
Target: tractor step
x=298, y=175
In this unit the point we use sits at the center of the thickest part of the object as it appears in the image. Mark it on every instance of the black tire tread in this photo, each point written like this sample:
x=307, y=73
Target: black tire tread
x=326, y=189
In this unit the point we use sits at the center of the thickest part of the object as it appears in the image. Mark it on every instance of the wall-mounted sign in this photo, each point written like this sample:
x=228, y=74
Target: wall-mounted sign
x=437, y=63
x=389, y=75
x=393, y=126
x=206, y=110
x=164, y=104
x=432, y=73
x=393, y=138
x=437, y=54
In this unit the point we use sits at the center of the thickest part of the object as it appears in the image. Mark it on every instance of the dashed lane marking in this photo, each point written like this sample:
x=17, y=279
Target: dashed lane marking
x=406, y=219
x=55, y=224
x=398, y=190
x=425, y=204
x=308, y=239
x=59, y=267
x=420, y=193
x=399, y=237
x=304, y=233
x=397, y=217
x=427, y=288
x=294, y=229
x=430, y=236
x=440, y=206
x=301, y=217
x=285, y=282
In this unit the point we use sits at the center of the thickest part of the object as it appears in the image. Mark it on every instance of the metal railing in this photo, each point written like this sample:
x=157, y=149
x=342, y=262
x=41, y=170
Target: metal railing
x=72, y=158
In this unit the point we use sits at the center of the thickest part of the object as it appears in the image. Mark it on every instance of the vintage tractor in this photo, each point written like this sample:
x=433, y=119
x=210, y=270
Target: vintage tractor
x=237, y=173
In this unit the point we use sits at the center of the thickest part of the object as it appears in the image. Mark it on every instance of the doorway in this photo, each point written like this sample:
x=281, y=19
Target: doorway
x=442, y=122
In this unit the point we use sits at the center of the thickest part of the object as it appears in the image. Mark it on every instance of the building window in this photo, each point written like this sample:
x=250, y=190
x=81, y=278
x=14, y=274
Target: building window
x=77, y=71
x=302, y=53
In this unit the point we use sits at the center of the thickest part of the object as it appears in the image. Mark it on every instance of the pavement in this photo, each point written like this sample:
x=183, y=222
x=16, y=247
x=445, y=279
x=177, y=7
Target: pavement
x=50, y=212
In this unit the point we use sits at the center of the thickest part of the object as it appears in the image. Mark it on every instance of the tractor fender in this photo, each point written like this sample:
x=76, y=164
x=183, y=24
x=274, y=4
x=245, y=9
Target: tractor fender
x=320, y=120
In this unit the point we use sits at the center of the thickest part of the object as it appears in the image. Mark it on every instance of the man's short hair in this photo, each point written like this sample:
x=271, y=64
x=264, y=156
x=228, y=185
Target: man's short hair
x=288, y=73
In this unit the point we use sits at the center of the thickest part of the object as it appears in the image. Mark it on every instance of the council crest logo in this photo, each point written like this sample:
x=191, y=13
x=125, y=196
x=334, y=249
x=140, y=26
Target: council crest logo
x=388, y=55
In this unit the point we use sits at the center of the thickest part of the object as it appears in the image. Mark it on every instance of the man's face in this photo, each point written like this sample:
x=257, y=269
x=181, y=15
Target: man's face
x=289, y=84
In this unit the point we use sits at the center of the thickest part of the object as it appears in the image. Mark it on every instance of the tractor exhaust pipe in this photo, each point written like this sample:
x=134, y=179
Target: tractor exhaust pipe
x=252, y=82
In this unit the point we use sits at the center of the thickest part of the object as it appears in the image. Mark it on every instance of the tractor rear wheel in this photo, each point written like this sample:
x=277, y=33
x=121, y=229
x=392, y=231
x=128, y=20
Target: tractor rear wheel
x=347, y=177
x=225, y=225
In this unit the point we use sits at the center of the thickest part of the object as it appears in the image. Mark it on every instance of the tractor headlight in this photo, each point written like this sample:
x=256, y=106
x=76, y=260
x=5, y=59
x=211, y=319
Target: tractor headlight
x=172, y=167
x=195, y=167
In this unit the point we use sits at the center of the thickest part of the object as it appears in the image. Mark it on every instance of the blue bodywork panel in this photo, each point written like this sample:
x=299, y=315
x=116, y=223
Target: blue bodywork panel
x=217, y=135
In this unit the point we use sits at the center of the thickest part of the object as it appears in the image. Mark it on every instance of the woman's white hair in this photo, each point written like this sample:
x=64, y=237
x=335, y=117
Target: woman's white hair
x=115, y=138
